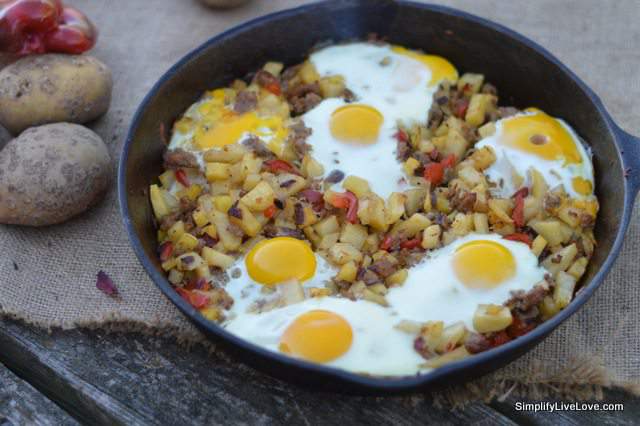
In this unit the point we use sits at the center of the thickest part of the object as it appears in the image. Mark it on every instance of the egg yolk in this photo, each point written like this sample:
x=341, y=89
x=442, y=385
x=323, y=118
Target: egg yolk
x=318, y=336
x=440, y=68
x=540, y=135
x=582, y=186
x=280, y=259
x=356, y=123
x=483, y=264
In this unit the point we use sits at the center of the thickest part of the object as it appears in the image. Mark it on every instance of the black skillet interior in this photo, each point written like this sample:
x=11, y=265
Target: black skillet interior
x=525, y=76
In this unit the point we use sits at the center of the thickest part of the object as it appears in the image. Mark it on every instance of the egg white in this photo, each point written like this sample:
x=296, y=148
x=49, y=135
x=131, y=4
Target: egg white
x=555, y=172
x=432, y=291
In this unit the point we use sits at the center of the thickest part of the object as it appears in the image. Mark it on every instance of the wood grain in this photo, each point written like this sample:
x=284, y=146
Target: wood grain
x=21, y=404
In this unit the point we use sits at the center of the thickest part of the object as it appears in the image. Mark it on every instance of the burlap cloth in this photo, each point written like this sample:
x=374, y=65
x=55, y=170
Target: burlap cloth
x=47, y=276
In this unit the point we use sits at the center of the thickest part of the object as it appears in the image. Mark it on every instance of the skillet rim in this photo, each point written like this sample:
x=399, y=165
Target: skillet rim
x=374, y=384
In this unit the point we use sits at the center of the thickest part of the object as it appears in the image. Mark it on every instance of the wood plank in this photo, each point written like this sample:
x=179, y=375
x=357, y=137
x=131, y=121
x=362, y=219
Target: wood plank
x=21, y=404
x=138, y=379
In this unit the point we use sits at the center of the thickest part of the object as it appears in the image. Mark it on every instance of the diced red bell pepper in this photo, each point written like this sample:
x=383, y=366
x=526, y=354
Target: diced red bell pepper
x=347, y=200
x=194, y=298
x=274, y=88
x=165, y=250
x=411, y=244
x=460, y=109
x=519, y=328
x=387, y=242
x=434, y=173
x=275, y=166
x=520, y=237
x=402, y=136
x=449, y=161
x=270, y=211
x=518, y=210
x=181, y=176
x=500, y=338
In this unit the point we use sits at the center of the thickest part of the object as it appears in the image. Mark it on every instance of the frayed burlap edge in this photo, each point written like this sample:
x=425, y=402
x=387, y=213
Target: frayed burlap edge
x=583, y=378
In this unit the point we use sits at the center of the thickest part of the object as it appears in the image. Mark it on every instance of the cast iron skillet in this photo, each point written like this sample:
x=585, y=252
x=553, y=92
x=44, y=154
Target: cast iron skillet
x=525, y=75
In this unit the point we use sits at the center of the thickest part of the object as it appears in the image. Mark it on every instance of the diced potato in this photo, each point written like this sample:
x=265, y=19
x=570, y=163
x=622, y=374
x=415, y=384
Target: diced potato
x=169, y=264
x=203, y=271
x=259, y=198
x=491, y=318
x=248, y=222
x=372, y=296
x=228, y=154
x=560, y=260
x=395, y=207
x=308, y=73
x=353, y=234
x=230, y=241
x=312, y=235
x=501, y=209
x=341, y=253
x=470, y=176
x=176, y=231
x=348, y=272
x=548, y=307
x=222, y=203
x=200, y=217
x=250, y=164
x=210, y=230
x=290, y=292
x=192, y=192
x=563, y=291
x=451, y=337
x=160, y=208
x=332, y=86
x=371, y=243
x=442, y=202
x=415, y=200
x=167, y=179
x=538, y=244
x=328, y=225
x=538, y=186
x=409, y=327
x=462, y=224
x=357, y=185
x=186, y=242
x=455, y=355
x=412, y=226
x=189, y=261
x=455, y=144
x=311, y=167
x=487, y=130
x=379, y=288
x=481, y=223
x=431, y=333
x=448, y=237
x=397, y=278
x=251, y=181
x=216, y=258
x=410, y=166
x=479, y=105
x=175, y=277
x=219, y=187
x=554, y=231
x=431, y=237
x=372, y=212
x=569, y=215
x=328, y=241
x=217, y=171
x=289, y=184
x=320, y=292
x=578, y=268
x=470, y=83
x=274, y=68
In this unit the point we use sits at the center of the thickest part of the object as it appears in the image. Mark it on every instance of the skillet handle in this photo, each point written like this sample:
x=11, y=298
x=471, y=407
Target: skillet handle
x=631, y=158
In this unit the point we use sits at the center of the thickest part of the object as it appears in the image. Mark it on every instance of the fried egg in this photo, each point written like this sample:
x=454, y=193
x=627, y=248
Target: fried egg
x=361, y=336
x=212, y=123
x=391, y=85
x=535, y=140
x=476, y=269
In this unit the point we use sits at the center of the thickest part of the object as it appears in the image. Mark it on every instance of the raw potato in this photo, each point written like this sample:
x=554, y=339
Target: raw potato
x=51, y=173
x=53, y=88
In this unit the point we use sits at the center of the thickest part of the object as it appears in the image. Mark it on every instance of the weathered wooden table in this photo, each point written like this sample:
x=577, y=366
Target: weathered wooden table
x=103, y=379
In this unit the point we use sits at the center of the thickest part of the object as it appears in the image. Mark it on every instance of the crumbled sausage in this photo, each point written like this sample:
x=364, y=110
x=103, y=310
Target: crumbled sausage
x=245, y=101
x=476, y=343
x=179, y=158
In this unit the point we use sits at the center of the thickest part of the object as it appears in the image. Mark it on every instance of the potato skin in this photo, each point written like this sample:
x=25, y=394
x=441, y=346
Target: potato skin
x=53, y=88
x=51, y=173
